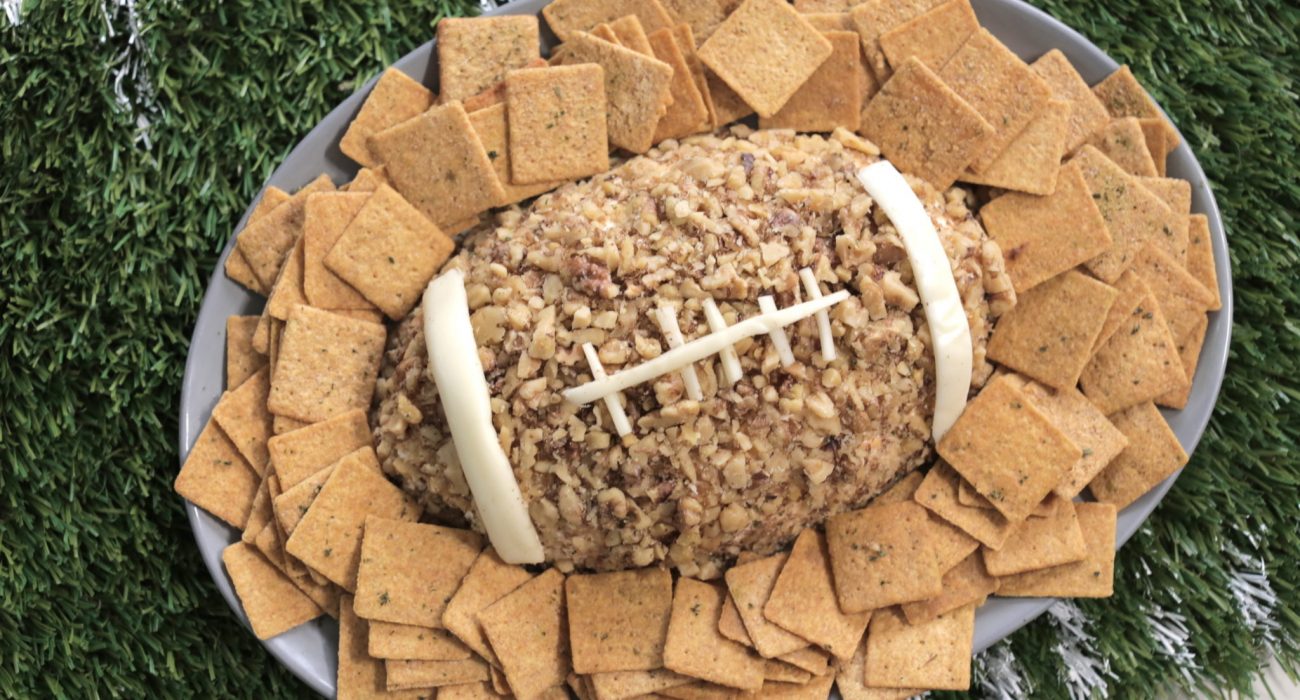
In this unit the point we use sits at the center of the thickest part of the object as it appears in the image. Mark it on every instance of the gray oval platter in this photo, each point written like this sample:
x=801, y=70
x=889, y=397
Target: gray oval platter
x=310, y=651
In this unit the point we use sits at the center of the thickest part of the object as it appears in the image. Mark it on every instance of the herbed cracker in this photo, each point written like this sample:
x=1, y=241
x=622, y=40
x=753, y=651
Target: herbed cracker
x=1049, y=334
x=606, y=33
x=872, y=18
x=476, y=53
x=258, y=515
x=489, y=579
x=1134, y=216
x=217, y=479
x=1087, y=113
x=567, y=17
x=620, y=685
x=394, y=99
x=284, y=424
x=803, y=599
x=765, y=51
x=557, y=124
x=688, y=113
x=289, y=505
x=618, y=620
x=703, y=16
x=491, y=125
x=438, y=164
x=328, y=215
x=328, y=365
x=271, y=602
x=497, y=93
x=833, y=22
x=390, y=640
x=1124, y=97
x=1153, y=131
x=695, y=648
x=1124, y=143
x=879, y=557
x=968, y=496
x=271, y=543
x=782, y=672
x=812, y=6
x=1133, y=290
x=903, y=490
x=243, y=416
x=817, y=688
x=1182, y=299
x=409, y=571
x=938, y=494
x=527, y=630
x=685, y=39
x=403, y=674
x=1153, y=453
x=728, y=106
x=287, y=291
x=935, y=654
x=1091, y=577
x=367, y=180
x=632, y=34
x=1137, y=364
x=832, y=96
x=1083, y=423
x=237, y=267
x=750, y=585
x=242, y=361
x=1174, y=192
x=636, y=88
x=967, y=582
x=1189, y=349
x=1008, y=450
x=811, y=659
x=933, y=37
x=730, y=625
x=700, y=690
x=1039, y=543
x=328, y=538
x=1032, y=161
x=262, y=334
x=266, y=242
x=299, y=454
x=948, y=543
x=468, y=691
x=923, y=126
x=849, y=679
x=359, y=674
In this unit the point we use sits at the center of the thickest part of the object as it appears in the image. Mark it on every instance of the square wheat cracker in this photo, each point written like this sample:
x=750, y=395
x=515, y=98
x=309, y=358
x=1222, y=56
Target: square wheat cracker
x=932, y=37
x=390, y=640
x=491, y=125
x=291, y=504
x=489, y=579
x=271, y=602
x=216, y=478
x=948, y=543
x=409, y=571
x=476, y=53
x=395, y=98
x=968, y=496
x=730, y=625
x=924, y=127
x=1124, y=143
x=1039, y=543
x=1049, y=334
x=403, y=674
x=816, y=689
x=243, y=417
x=259, y=514
x=468, y=691
x=880, y=557
x=1153, y=131
x=605, y=33
x=242, y=361
x=557, y=123
x=367, y=180
x=527, y=631
x=1174, y=192
x=765, y=51
x=688, y=114
x=299, y=454
x=695, y=648
x=832, y=22
x=703, y=16
x=328, y=365
x=1152, y=455
x=497, y=93
x=966, y=583
x=872, y=18
x=237, y=267
x=621, y=685
x=1133, y=290
x=271, y=543
x=938, y=494
x=360, y=675
x=685, y=39
x=287, y=290
x=631, y=34
x=1182, y=299
x=266, y=242
x=750, y=585
x=811, y=659
x=636, y=89
x=850, y=681
x=618, y=620
x=1124, y=97
x=328, y=215
x=803, y=599
x=1091, y=577
x=832, y=97
x=1087, y=113
x=700, y=690
x=566, y=17
x=934, y=654
x=903, y=489
x=1189, y=349
x=1139, y=363
x=782, y=672
x=1032, y=161
x=1083, y=423
x=728, y=106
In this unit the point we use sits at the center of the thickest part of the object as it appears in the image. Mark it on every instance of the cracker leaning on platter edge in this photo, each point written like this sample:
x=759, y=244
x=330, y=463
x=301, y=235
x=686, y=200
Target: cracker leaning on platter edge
x=272, y=558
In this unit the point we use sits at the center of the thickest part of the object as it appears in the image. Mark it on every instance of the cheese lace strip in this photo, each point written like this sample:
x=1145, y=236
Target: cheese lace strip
x=767, y=305
x=613, y=402
x=823, y=318
x=730, y=360
x=667, y=318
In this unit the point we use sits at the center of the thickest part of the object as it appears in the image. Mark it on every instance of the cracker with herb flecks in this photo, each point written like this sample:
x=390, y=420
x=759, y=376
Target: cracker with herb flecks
x=621, y=685
x=880, y=557
x=636, y=89
x=567, y=17
x=872, y=18
x=394, y=99
x=438, y=164
x=1182, y=299
x=391, y=640
x=831, y=22
x=242, y=361
x=216, y=478
x=811, y=659
x=1132, y=291
x=404, y=674
x=557, y=124
x=923, y=126
x=938, y=494
x=968, y=496
x=275, y=334
x=1189, y=349
x=812, y=6
x=1137, y=364
x=271, y=602
x=935, y=654
x=328, y=215
x=408, y=571
x=817, y=688
x=1124, y=97
x=270, y=542
x=831, y=97
x=262, y=333
x=685, y=40
x=948, y=543
x=528, y=632
x=731, y=626
x=304, y=452
x=967, y=582
x=1091, y=577
x=850, y=681
x=360, y=675
x=803, y=599
x=237, y=267
x=284, y=424
x=688, y=113
x=292, y=503
x=631, y=34
x=703, y=16
x=468, y=691
x=750, y=585
x=932, y=37
x=1083, y=423
x=727, y=105
x=782, y=672
x=489, y=579
x=1039, y=543
x=618, y=620
x=497, y=93
x=328, y=365
x=1174, y=192
x=476, y=53
x=1153, y=132
x=259, y=514
x=1049, y=334
x=266, y=242
x=1032, y=161
x=243, y=417
x=1134, y=216
x=1152, y=455
x=1124, y=143
x=1087, y=113
x=367, y=180
x=700, y=690
x=605, y=33
x=491, y=125
x=765, y=51
x=287, y=291
x=695, y=648
x=902, y=490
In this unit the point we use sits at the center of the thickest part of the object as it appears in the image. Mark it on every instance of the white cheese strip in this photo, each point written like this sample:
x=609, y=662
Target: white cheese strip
x=823, y=317
x=667, y=317
x=466, y=400
x=767, y=305
x=932, y=270
x=701, y=348
x=730, y=360
x=613, y=402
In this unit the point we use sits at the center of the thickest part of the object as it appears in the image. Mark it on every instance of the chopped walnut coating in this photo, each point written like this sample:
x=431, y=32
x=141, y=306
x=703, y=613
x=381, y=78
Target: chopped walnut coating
x=730, y=217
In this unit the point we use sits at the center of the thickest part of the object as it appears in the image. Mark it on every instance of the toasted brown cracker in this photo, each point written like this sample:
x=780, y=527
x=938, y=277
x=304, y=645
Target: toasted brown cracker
x=409, y=571
x=703, y=16
x=618, y=620
x=580, y=685
x=700, y=690
x=1134, y=216
x=1182, y=299
x=731, y=626
x=394, y=99
x=244, y=419
x=695, y=647
x=765, y=51
x=832, y=22
x=924, y=127
x=404, y=675
x=816, y=689
x=491, y=125
x=811, y=659
x=832, y=96
x=1032, y=161
x=727, y=105
x=1124, y=97
x=750, y=585
x=1153, y=453
x=965, y=583
x=948, y=543
x=527, y=631
x=1087, y=426
x=1091, y=577
x=1137, y=364
x=361, y=676
x=1008, y=450
x=1039, y=543
x=968, y=496
x=1050, y=333
x=1175, y=193
x=468, y=691
x=1132, y=291
x=438, y=164
x=932, y=37
x=566, y=17
x=1153, y=132
x=259, y=514
x=879, y=557
x=266, y=242
x=685, y=40
x=938, y=494
x=390, y=640
x=872, y=18
x=273, y=604
x=488, y=580
x=292, y=503
x=270, y=542
x=631, y=34
x=301, y=453
x=328, y=215
x=1124, y=143
x=688, y=113
x=1189, y=349
x=284, y=424
x=803, y=599
x=328, y=365
x=636, y=88
x=476, y=53
x=934, y=654
x=620, y=685
x=367, y=180
x=606, y=33
x=849, y=679
x=237, y=267
x=812, y=6
x=497, y=93
x=902, y=490
x=275, y=335
x=287, y=290
x=242, y=361
x=782, y=672
x=262, y=334
x=1087, y=113
x=216, y=478
x=556, y=123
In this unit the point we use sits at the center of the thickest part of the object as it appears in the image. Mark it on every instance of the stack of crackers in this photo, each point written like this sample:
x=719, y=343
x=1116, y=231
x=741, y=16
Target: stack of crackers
x=1113, y=273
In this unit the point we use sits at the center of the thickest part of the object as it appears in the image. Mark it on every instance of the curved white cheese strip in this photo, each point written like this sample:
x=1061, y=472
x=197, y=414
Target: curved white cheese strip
x=700, y=348
x=780, y=340
x=613, y=402
x=932, y=270
x=823, y=318
x=466, y=400
x=730, y=360
x=668, y=326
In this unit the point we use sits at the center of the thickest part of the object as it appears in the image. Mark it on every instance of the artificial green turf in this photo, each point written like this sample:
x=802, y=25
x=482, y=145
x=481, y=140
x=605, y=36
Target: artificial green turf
x=106, y=243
